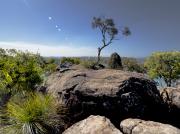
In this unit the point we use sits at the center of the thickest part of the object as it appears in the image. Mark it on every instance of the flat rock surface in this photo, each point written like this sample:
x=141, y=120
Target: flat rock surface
x=99, y=81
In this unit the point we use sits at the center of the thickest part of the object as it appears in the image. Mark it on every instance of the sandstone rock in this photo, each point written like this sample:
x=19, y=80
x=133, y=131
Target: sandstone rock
x=65, y=65
x=115, y=61
x=112, y=93
x=171, y=96
x=137, y=126
x=93, y=125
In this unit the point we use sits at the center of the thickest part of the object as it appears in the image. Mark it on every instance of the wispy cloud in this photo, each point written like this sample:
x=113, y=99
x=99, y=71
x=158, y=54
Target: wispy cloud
x=47, y=50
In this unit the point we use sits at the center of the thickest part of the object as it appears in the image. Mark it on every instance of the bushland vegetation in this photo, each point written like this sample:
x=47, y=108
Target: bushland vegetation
x=164, y=65
x=22, y=109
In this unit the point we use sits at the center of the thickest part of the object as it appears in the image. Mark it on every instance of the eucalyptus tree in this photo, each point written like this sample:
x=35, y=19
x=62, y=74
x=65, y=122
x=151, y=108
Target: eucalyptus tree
x=108, y=31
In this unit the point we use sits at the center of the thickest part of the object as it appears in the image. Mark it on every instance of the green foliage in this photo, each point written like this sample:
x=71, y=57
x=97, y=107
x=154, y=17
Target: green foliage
x=19, y=70
x=35, y=114
x=50, y=68
x=70, y=60
x=164, y=65
x=106, y=25
x=115, y=61
x=50, y=65
x=88, y=64
x=51, y=61
x=131, y=64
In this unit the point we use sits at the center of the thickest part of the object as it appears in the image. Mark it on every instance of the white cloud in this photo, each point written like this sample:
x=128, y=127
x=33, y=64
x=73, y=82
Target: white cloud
x=48, y=50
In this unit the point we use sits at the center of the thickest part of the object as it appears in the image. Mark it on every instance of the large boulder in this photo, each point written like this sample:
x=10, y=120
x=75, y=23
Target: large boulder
x=93, y=125
x=137, y=126
x=112, y=93
x=171, y=97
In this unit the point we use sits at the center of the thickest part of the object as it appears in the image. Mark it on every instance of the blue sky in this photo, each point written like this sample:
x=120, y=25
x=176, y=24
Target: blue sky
x=63, y=27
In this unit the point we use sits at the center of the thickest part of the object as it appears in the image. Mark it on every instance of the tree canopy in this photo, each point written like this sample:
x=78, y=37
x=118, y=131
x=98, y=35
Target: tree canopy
x=164, y=65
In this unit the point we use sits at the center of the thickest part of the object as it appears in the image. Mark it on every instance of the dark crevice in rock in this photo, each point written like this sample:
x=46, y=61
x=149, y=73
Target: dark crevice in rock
x=64, y=70
x=84, y=75
x=68, y=90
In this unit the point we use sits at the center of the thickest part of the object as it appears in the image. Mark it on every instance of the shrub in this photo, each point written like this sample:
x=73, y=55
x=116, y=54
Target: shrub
x=71, y=60
x=19, y=70
x=50, y=61
x=131, y=64
x=35, y=114
x=50, y=68
x=88, y=64
x=115, y=61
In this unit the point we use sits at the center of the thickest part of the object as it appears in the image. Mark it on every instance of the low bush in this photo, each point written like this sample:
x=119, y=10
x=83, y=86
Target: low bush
x=131, y=64
x=88, y=64
x=71, y=60
x=50, y=68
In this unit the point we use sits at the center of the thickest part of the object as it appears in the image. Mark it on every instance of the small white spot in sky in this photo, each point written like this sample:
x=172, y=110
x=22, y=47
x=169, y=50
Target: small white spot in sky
x=56, y=26
x=50, y=18
x=59, y=29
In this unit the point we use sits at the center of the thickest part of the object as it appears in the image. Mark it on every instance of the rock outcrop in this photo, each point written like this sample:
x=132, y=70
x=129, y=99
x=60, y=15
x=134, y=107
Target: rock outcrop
x=137, y=126
x=93, y=125
x=114, y=94
x=171, y=97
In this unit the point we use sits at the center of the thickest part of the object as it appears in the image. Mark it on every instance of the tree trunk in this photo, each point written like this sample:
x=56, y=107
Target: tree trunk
x=169, y=83
x=99, y=56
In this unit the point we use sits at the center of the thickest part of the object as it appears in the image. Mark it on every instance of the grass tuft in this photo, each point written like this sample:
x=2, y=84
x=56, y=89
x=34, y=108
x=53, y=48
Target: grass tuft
x=36, y=114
